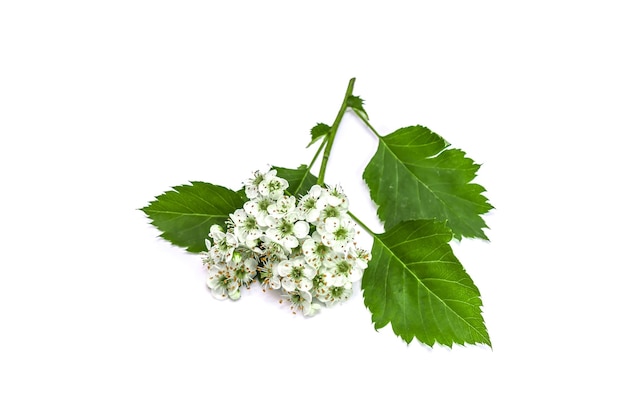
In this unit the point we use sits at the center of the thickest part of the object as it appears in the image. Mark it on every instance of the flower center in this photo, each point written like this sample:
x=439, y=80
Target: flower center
x=309, y=204
x=343, y=267
x=297, y=272
x=341, y=234
x=258, y=178
x=321, y=250
x=337, y=291
x=249, y=224
x=264, y=204
x=318, y=281
x=274, y=185
x=331, y=212
x=285, y=228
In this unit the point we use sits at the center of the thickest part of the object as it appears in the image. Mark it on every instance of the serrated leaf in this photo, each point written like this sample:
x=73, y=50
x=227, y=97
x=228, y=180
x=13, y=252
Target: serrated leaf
x=185, y=214
x=415, y=282
x=413, y=175
x=300, y=180
x=318, y=132
x=356, y=103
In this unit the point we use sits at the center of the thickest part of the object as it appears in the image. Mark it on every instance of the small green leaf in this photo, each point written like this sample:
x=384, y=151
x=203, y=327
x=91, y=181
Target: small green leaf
x=185, y=214
x=318, y=132
x=415, y=282
x=356, y=103
x=413, y=175
x=300, y=180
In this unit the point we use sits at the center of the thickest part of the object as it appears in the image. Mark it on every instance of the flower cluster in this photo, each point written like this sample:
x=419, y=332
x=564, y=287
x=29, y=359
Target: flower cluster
x=303, y=247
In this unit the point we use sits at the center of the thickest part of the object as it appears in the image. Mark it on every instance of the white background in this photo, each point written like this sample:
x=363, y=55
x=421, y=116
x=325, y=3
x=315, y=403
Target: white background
x=104, y=105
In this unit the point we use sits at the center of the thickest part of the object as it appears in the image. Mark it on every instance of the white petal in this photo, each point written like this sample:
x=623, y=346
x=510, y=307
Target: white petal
x=305, y=284
x=288, y=284
x=273, y=234
x=269, y=221
x=301, y=229
x=313, y=215
x=356, y=275
x=333, y=200
x=274, y=282
x=251, y=191
x=308, y=246
x=290, y=242
x=284, y=268
x=250, y=265
x=219, y=294
x=331, y=224
x=216, y=233
x=251, y=207
x=231, y=240
x=315, y=191
x=309, y=271
x=239, y=216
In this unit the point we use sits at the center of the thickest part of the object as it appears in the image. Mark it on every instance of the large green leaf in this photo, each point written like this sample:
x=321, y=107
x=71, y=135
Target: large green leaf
x=413, y=175
x=300, y=180
x=415, y=282
x=185, y=214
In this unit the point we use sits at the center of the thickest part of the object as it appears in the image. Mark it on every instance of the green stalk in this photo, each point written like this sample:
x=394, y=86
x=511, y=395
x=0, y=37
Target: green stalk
x=317, y=153
x=367, y=123
x=308, y=168
x=361, y=224
x=333, y=131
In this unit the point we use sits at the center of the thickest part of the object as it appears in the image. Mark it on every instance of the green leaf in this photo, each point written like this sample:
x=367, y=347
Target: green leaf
x=300, y=180
x=415, y=282
x=356, y=103
x=318, y=132
x=413, y=175
x=185, y=214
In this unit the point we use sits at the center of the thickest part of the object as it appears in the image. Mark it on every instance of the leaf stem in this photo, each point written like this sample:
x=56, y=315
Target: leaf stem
x=310, y=166
x=317, y=153
x=333, y=131
x=367, y=123
x=361, y=224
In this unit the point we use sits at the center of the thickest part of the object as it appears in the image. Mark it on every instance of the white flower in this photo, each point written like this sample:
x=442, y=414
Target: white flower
x=286, y=233
x=329, y=211
x=224, y=244
x=221, y=283
x=336, y=294
x=296, y=273
x=337, y=198
x=338, y=233
x=341, y=270
x=315, y=250
x=252, y=185
x=269, y=239
x=269, y=275
x=301, y=300
x=245, y=227
x=272, y=186
x=361, y=256
x=244, y=273
x=320, y=287
x=309, y=206
x=271, y=251
x=282, y=207
x=258, y=209
x=332, y=204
